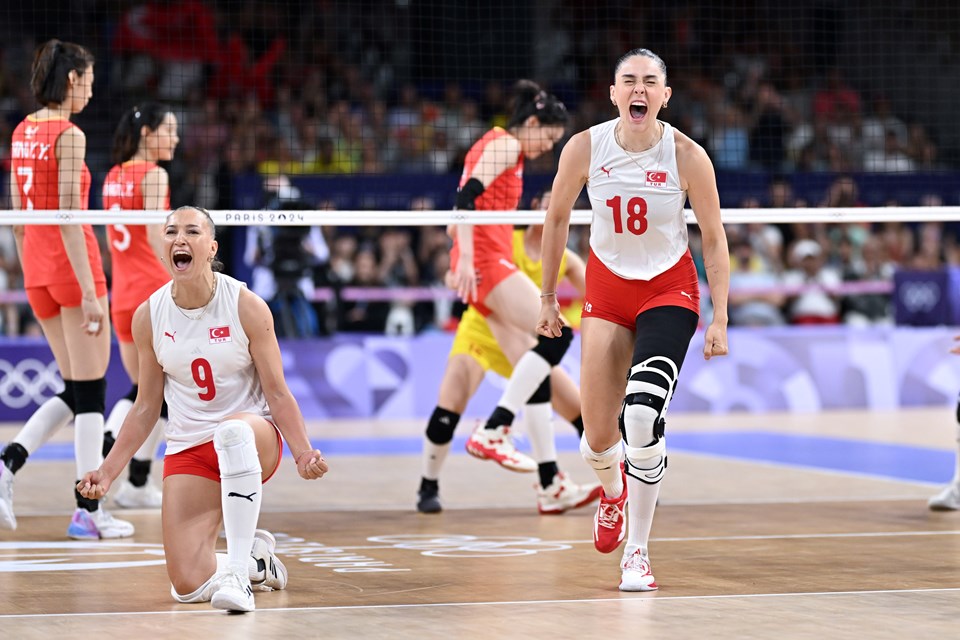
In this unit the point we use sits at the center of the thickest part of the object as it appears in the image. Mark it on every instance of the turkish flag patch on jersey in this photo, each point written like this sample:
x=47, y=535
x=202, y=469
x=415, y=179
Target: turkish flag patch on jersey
x=220, y=334
x=656, y=178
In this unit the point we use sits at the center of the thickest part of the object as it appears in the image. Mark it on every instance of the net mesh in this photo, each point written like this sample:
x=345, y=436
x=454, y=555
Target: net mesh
x=367, y=105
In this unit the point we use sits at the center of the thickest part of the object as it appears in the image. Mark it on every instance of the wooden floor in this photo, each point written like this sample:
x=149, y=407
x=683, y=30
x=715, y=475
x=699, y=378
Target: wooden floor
x=742, y=548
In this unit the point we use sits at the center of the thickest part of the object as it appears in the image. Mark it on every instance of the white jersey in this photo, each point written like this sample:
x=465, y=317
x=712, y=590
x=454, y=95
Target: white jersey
x=208, y=371
x=638, y=229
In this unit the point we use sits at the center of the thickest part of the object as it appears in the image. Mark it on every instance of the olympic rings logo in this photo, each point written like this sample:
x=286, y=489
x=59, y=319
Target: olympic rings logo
x=29, y=380
x=920, y=296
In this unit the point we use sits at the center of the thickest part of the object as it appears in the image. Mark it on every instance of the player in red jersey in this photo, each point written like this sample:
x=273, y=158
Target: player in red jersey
x=485, y=276
x=63, y=277
x=147, y=133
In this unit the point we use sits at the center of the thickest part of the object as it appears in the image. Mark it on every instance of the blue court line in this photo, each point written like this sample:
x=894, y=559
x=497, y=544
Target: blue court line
x=895, y=461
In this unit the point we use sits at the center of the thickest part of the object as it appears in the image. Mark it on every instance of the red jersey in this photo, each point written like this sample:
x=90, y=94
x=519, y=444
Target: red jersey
x=503, y=194
x=34, y=165
x=136, y=270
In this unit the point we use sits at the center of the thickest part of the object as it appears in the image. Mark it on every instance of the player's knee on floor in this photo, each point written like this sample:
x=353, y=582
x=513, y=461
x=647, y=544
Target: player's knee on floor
x=441, y=426
x=553, y=349
x=236, y=449
x=89, y=396
x=603, y=459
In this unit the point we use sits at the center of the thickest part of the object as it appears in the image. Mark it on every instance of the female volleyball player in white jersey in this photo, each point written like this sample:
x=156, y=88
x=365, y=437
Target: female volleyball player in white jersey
x=642, y=303
x=207, y=346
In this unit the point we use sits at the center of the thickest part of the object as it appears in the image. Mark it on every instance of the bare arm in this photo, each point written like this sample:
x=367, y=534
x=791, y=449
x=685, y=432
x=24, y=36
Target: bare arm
x=498, y=156
x=257, y=323
x=700, y=181
x=156, y=193
x=571, y=175
x=71, y=149
x=142, y=417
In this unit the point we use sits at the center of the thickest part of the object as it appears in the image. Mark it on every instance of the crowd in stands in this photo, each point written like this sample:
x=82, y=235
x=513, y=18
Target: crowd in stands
x=331, y=92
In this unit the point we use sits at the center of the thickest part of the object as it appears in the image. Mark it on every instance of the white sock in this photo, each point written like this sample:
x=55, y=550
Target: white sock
x=53, y=415
x=606, y=464
x=641, y=504
x=88, y=442
x=117, y=415
x=528, y=374
x=241, y=489
x=223, y=563
x=538, y=420
x=433, y=457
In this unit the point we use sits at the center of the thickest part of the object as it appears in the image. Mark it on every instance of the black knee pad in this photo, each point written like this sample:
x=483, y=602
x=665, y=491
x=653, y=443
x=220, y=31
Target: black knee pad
x=67, y=395
x=553, y=349
x=90, y=396
x=542, y=394
x=132, y=394
x=441, y=426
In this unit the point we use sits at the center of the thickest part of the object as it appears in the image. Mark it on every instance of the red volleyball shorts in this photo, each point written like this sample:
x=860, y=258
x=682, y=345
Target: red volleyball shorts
x=201, y=460
x=618, y=300
x=123, y=323
x=46, y=301
x=491, y=270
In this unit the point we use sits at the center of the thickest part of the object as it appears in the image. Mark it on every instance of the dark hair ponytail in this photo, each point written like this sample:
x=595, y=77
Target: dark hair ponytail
x=530, y=100
x=52, y=64
x=126, y=139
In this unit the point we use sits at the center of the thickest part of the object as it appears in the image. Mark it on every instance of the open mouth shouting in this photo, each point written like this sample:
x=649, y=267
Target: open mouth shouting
x=181, y=259
x=638, y=110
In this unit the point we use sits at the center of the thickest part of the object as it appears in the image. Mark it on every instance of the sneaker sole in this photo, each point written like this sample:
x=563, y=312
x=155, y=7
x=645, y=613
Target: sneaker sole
x=593, y=496
x=483, y=455
x=639, y=587
x=269, y=582
x=225, y=602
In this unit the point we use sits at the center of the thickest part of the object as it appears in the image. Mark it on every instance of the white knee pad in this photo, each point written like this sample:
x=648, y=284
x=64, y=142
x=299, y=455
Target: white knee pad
x=603, y=460
x=646, y=463
x=236, y=449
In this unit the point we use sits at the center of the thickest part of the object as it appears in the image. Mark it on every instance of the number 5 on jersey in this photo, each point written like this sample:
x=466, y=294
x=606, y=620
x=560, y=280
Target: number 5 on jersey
x=636, y=215
x=203, y=376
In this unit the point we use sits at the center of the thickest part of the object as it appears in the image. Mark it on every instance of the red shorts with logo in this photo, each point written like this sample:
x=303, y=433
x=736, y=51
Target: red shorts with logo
x=201, y=460
x=46, y=301
x=618, y=300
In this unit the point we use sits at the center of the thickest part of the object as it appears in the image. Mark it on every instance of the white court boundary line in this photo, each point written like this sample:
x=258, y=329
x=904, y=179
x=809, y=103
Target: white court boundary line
x=648, y=598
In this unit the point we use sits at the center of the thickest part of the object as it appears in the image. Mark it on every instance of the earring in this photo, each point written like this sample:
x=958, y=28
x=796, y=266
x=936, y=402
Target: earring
x=664, y=105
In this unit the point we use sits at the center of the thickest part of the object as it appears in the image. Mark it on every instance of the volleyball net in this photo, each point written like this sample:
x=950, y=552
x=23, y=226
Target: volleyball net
x=356, y=115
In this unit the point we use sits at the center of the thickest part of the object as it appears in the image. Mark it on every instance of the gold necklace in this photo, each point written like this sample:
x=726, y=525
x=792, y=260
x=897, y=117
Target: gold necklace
x=203, y=311
x=619, y=141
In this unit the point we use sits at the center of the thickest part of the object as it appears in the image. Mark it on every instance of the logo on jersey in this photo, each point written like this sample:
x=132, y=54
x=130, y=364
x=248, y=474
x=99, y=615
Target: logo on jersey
x=656, y=178
x=220, y=334
x=587, y=307
x=606, y=171
x=689, y=295
x=172, y=336
x=29, y=132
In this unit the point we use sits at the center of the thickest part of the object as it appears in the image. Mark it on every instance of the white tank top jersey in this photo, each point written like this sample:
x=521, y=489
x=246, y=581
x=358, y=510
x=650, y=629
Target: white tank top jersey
x=208, y=371
x=638, y=229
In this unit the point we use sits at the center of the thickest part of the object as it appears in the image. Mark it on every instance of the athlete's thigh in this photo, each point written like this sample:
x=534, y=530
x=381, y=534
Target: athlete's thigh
x=53, y=332
x=565, y=395
x=191, y=518
x=514, y=342
x=461, y=379
x=89, y=355
x=515, y=301
x=606, y=351
x=131, y=360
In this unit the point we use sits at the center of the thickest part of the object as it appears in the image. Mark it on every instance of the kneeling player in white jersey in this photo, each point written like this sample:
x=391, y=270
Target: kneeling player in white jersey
x=207, y=346
x=641, y=307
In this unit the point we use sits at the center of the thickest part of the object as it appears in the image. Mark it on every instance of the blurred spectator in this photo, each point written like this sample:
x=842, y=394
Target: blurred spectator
x=868, y=308
x=729, y=142
x=814, y=305
x=10, y=280
x=892, y=158
x=754, y=299
x=367, y=316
